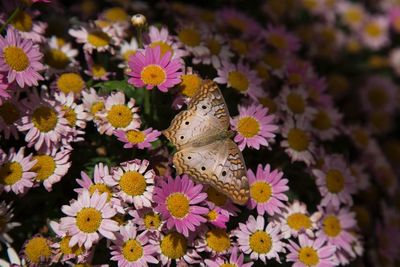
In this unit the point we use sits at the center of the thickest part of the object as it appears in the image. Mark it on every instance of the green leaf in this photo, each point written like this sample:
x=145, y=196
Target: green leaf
x=122, y=86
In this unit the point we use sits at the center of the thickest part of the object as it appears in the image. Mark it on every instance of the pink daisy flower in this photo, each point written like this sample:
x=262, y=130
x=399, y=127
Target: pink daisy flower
x=99, y=184
x=335, y=181
x=161, y=38
x=180, y=203
x=219, y=51
x=325, y=122
x=236, y=259
x=147, y=220
x=336, y=227
x=117, y=115
x=216, y=199
x=62, y=251
x=20, y=59
x=95, y=38
x=15, y=171
x=218, y=217
x=298, y=143
x=137, y=138
x=282, y=40
x=311, y=253
x=260, y=239
x=51, y=167
x=127, y=49
x=241, y=78
x=44, y=122
x=295, y=102
x=59, y=56
x=214, y=240
x=254, y=127
x=375, y=32
x=4, y=89
x=296, y=220
x=89, y=218
x=150, y=68
x=93, y=104
x=28, y=26
x=11, y=112
x=37, y=251
x=267, y=190
x=379, y=93
x=173, y=246
x=133, y=183
x=132, y=249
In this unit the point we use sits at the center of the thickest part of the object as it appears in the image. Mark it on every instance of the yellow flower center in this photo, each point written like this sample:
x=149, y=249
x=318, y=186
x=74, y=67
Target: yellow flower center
x=361, y=137
x=212, y=215
x=128, y=53
x=373, y=29
x=56, y=58
x=263, y=71
x=214, y=46
x=377, y=97
x=178, y=205
x=260, y=191
x=295, y=79
x=133, y=183
x=9, y=113
x=164, y=47
x=16, y=58
x=132, y=250
x=70, y=82
x=238, y=81
x=37, y=249
x=119, y=218
x=115, y=14
x=296, y=103
x=353, y=15
x=277, y=41
x=135, y=137
x=153, y=75
x=308, y=256
x=269, y=103
x=22, y=21
x=98, y=71
x=190, y=84
x=381, y=121
x=67, y=250
x=70, y=115
x=100, y=188
x=98, y=39
x=173, y=245
x=298, y=139
x=218, y=240
x=322, y=121
x=96, y=107
x=119, y=116
x=44, y=167
x=274, y=60
x=248, y=127
x=334, y=181
x=10, y=173
x=332, y=227
x=216, y=197
x=260, y=242
x=298, y=221
x=152, y=220
x=237, y=24
x=189, y=37
x=239, y=47
x=88, y=220
x=228, y=265
x=44, y=119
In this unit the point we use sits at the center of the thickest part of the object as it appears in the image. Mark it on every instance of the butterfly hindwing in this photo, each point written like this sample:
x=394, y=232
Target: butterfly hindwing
x=219, y=164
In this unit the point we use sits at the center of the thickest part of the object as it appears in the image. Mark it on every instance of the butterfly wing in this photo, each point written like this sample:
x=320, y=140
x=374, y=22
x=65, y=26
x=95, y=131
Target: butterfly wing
x=206, y=115
x=219, y=164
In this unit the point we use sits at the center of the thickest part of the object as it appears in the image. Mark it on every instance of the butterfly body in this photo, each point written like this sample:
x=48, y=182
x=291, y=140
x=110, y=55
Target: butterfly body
x=204, y=149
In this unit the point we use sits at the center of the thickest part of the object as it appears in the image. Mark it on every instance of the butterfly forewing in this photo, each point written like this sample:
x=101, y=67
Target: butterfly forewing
x=206, y=115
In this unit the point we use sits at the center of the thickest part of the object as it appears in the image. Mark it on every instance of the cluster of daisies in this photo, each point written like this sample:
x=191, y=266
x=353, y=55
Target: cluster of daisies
x=86, y=89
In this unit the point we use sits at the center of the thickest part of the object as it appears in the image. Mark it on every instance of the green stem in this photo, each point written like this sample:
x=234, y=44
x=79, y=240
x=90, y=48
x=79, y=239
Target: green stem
x=147, y=102
x=9, y=20
x=139, y=36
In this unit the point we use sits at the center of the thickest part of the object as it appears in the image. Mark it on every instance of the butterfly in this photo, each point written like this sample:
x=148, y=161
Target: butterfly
x=204, y=147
